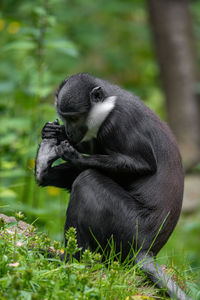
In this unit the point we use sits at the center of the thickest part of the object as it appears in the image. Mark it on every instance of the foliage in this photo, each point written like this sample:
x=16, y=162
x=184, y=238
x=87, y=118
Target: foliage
x=27, y=274
x=41, y=44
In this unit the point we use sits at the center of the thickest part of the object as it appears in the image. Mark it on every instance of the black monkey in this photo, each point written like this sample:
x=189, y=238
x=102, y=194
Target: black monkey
x=123, y=169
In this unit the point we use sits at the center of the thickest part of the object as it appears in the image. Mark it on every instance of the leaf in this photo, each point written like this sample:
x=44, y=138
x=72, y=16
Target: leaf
x=25, y=295
x=12, y=173
x=8, y=139
x=7, y=193
x=20, y=45
x=42, y=92
x=6, y=86
x=9, y=124
x=63, y=46
x=8, y=164
x=40, y=11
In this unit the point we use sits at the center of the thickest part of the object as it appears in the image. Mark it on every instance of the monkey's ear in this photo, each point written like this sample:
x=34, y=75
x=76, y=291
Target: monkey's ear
x=96, y=95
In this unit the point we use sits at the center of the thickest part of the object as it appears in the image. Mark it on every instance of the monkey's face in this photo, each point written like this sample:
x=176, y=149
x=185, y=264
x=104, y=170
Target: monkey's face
x=75, y=127
x=72, y=105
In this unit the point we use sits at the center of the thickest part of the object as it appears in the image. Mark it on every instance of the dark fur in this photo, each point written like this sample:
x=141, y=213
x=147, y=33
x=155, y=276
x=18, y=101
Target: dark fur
x=129, y=186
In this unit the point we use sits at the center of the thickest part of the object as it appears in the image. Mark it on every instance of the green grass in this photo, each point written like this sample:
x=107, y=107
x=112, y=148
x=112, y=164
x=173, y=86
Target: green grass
x=27, y=274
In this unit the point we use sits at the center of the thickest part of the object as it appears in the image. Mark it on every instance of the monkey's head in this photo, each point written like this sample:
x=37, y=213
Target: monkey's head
x=76, y=99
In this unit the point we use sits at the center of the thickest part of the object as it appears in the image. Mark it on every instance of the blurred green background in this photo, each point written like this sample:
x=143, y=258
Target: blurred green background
x=41, y=44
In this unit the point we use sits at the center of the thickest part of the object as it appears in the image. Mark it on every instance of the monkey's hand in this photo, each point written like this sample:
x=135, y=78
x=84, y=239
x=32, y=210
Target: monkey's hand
x=53, y=130
x=67, y=152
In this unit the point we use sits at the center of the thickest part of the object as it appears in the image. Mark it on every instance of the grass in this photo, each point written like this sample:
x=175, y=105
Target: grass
x=27, y=274
x=46, y=207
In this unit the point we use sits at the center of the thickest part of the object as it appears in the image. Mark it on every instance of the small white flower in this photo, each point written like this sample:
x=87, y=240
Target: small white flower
x=19, y=244
x=16, y=264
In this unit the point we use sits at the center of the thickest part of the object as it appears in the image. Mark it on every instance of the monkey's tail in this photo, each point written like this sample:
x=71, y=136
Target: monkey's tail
x=147, y=263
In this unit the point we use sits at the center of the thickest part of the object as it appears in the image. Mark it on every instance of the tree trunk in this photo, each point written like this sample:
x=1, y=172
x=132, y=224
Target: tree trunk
x=175, y=47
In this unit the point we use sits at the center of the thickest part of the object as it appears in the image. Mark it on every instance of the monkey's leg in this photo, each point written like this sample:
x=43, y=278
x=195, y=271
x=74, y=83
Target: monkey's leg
x=60, y=176
x=99, y=205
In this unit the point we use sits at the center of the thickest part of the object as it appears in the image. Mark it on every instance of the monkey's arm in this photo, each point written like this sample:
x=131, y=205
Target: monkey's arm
x=114, y=162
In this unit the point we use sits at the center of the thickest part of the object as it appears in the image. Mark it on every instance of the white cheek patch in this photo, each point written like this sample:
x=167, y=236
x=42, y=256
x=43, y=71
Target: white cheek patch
x=100, y=111
x=97, y=115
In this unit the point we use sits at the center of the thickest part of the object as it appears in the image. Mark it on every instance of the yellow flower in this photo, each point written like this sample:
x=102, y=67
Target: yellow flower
x=53, y=191
x=2, y=24
x=13, y=27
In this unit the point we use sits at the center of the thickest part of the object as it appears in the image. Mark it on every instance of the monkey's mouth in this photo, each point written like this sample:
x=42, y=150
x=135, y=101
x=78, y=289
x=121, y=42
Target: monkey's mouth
x=76, y=137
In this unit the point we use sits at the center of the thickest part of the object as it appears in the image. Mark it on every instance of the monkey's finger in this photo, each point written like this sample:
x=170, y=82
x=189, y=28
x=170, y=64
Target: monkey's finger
x=49, y=123
x=65, y=144
x=49, y=135
x=56, y=130
x=52, y=126
x=65, y=147
x=56, y=122
x=58, y=150
x=50, y=132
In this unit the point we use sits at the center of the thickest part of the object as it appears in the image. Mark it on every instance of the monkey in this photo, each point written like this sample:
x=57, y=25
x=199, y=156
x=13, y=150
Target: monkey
x=122, y=167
